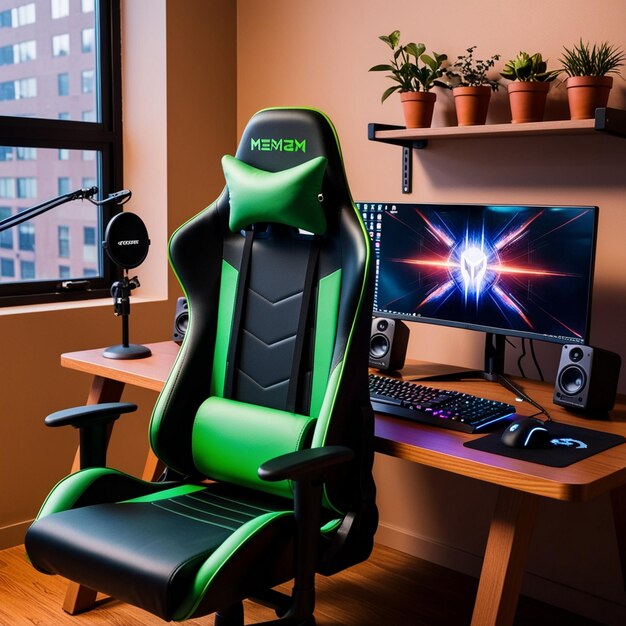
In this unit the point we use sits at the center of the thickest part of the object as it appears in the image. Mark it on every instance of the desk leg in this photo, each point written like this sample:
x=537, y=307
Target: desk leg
x=77, y=597
x=618, y=500
x=505, y=558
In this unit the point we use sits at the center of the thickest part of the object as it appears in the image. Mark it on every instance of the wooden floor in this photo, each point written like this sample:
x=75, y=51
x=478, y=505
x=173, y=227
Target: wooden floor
x=390, y=589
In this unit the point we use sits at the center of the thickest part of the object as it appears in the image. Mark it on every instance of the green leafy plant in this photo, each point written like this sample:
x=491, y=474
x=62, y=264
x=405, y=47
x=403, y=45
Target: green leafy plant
x=528, y=68
x=469, y=72
x=598, y=60
x=406, y=69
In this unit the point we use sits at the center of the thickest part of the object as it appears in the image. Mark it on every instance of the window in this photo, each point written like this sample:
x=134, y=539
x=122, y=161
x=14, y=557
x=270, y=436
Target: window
x=87, y=40
x=60, y=120
x=6, y=55
x=26, y=154
x=89, y=236
x=25, y=51
x=7, y=268
x=7, y=188
x=63, y=84
x=64, y=185
x=26, y=236
x=60, y=45
x=26, y=187
x=6, y=237
x=64, y=242
x=27, y=270
x=18, y=16
x=59, y=8
x=87, y=81
x=18, y=89
x=18, y=53
x=24, y=14
x=26, y=88
x=90, y=252
x=7, y=90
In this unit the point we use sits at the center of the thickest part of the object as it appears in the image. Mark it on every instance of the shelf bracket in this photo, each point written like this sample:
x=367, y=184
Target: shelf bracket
x=612, y=121
x=408, y=145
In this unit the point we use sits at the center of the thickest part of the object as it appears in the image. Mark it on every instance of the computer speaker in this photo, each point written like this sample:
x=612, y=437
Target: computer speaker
x=586, y=380
x=181, y=319
x=388, y=342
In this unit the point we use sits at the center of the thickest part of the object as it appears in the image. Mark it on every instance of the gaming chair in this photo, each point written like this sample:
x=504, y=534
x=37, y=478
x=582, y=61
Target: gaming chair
x=264, y=423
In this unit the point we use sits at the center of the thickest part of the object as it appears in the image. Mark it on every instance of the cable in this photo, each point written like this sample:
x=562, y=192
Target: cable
x=520, y=358
x=511, y=386
x=535, y=361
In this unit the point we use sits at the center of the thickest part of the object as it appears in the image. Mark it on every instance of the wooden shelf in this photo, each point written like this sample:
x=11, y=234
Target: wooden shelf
x=560, y=127
x=610, y=121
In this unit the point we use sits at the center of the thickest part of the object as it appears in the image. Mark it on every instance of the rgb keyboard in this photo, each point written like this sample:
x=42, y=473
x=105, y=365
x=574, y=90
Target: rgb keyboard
x=440, y=407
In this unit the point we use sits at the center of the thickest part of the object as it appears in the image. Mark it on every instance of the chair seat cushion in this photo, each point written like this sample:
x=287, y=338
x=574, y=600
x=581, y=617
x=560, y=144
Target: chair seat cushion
x=159, y=551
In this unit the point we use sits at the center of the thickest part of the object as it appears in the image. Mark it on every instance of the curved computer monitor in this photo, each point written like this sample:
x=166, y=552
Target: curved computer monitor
x=524, y=271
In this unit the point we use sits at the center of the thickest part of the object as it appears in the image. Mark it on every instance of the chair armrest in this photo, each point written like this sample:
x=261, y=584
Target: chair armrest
x=89, y=414
x=308, y=463
x=94, y=422
x=306, y=468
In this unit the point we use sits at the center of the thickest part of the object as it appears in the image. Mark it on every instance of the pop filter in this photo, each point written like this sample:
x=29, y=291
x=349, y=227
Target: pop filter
x=126, y=240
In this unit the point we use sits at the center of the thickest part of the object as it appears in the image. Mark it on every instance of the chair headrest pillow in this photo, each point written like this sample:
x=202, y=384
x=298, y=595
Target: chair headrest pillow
x=289, y=197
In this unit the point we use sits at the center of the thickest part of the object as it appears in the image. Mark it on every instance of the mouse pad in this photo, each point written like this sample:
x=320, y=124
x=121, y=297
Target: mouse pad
x=569, y=444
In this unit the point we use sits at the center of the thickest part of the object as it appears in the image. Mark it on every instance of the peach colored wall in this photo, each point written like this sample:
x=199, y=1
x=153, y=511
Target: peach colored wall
x=318, y=54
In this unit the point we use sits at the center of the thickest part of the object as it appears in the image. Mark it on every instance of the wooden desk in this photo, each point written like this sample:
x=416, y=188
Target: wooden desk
x=521, y=484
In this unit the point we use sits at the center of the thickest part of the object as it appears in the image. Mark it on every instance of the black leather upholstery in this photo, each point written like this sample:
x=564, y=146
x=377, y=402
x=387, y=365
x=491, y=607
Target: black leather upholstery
x=186, y=548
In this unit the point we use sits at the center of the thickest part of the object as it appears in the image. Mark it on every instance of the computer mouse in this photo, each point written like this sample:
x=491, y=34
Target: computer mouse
x=526, y=432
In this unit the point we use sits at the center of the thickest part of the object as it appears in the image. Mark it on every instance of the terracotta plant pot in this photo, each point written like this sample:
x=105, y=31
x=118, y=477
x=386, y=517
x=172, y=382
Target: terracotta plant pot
x=585, y=94
x=527, y=101
x=471, y=104
x=418, y=107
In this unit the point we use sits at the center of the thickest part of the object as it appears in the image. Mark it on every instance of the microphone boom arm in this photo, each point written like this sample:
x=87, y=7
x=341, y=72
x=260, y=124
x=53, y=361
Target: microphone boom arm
x=80, y=194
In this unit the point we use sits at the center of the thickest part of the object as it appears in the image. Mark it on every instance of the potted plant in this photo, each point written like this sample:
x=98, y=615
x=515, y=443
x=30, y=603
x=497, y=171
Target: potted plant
x=415, y=73
x=588, y=84
x=471, y=87
x=529, y=89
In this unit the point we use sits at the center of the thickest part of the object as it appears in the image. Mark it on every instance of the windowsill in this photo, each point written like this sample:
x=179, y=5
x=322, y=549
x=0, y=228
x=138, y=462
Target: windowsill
x=77, y=304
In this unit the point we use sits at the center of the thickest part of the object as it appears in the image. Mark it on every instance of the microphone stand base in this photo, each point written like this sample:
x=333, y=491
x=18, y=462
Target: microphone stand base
x=133, y=351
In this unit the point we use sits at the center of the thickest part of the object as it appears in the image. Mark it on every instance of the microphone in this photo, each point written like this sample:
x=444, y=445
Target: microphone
x=126, y=240
x=126, y=243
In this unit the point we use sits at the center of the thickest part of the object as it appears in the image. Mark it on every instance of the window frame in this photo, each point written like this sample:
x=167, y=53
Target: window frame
x=104, y=137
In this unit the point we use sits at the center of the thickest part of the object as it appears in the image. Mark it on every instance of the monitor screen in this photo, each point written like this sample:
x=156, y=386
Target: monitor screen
x=524, y=271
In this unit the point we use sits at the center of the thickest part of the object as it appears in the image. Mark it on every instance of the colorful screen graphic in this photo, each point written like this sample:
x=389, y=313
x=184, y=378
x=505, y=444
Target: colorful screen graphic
x=514, y=270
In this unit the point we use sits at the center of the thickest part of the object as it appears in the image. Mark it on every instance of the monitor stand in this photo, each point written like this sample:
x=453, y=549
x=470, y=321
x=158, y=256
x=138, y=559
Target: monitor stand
x=493, y=370
x=494, y=363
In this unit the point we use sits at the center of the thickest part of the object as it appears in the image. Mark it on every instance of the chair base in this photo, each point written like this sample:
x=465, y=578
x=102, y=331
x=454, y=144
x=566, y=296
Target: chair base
x=233, y=616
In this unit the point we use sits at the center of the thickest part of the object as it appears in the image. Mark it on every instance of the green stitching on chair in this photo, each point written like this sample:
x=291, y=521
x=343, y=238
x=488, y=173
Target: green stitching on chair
x=287, y=197
x=212, y=566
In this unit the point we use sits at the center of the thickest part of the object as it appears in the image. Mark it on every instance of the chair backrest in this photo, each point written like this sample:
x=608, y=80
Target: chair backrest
x=280, y=308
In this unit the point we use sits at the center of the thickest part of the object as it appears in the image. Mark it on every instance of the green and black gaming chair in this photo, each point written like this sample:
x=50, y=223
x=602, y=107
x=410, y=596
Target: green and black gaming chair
x=264, y=424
